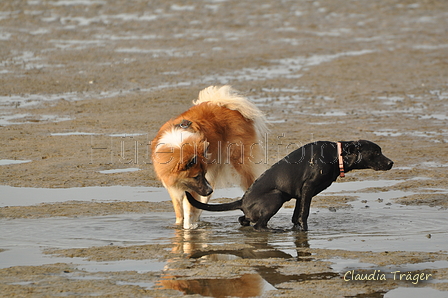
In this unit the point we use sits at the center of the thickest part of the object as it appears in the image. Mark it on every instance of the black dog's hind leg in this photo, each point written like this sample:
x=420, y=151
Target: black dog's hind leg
x=262, y=224
x=272, y=203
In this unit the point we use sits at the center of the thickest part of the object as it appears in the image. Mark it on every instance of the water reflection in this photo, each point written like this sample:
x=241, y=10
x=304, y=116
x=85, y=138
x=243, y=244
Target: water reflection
x=193, y=245
x=274, y=277
x=248, y=285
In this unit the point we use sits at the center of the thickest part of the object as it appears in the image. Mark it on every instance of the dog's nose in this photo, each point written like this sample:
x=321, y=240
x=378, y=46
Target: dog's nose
x=209, y=191
x=209, y=188
x=390, y=164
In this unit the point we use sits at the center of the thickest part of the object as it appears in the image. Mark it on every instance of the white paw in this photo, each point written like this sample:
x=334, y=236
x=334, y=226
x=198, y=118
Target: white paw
x=190, y=226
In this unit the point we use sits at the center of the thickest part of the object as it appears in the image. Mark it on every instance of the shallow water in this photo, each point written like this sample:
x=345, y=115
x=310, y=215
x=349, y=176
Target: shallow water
x=4, y=162
x=367, y=226
x=296, y=37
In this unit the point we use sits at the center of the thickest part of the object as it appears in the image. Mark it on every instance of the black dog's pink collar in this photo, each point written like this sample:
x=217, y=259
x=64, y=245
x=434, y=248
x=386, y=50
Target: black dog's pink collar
x=341, y=161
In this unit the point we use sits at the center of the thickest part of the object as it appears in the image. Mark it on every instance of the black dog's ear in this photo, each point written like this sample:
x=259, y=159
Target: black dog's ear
x=351, y=148
x=352, y=153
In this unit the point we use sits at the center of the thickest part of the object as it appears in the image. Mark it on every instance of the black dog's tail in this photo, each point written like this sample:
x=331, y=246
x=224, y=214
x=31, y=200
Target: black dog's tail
x=213, y=207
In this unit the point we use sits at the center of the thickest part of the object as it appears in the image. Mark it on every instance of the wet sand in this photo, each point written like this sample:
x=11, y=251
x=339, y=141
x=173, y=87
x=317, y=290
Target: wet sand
x=87, y=84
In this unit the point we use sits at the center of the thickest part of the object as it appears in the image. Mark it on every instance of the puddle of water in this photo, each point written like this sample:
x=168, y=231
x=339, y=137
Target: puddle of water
x=4, y=162
x=420, y=266
x=156, y=53
x=247, y=285
x=340, y=264
x=441, y=95
x=391, y=100
x=27, y=256
x=435, y=116
x=377, y=228
x=415, y=293
x=248, y=253
x=421, y=134
x=127, y=135
x=8, y=119
x=380, y=227
x=13, y=101
x=353, y=186
x=32, y=256
x=275, y=120
x=77, y=232
x=288, y=68
x=24, y=238
x=76, y=44
x=388, y=133
x=80, y=21
x=334, y=32
x=47, y=118
x=432, y=164
x=5, y=36
x=80, y=133
x=109, y=37
x=114, y=171
x=73, y=133
x=141, y=266
x=285, y=68
x=27, y=196
x=76, y=2
x=275, y=278
x=431, y=47
x=374, y=223
x=289, y=90
x=332, y=113
x=8, y=116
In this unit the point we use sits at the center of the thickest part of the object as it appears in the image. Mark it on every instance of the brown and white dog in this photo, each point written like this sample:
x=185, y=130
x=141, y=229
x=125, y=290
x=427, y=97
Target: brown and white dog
x=215, y=143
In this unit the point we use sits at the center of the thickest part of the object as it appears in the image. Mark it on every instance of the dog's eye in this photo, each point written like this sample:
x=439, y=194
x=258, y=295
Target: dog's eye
x=191, y=163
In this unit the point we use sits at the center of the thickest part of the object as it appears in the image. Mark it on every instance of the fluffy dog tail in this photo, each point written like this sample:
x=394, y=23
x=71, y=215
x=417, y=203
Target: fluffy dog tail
x=213, y=207
x=227, y=97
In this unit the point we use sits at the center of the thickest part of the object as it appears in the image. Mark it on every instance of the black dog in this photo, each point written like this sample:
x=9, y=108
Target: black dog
x=301, y=175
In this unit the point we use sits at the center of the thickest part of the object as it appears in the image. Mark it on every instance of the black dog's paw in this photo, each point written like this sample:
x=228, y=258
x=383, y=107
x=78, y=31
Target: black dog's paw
x=261, y=228
x=277, y=230
x=243, y=221
x=300, y=228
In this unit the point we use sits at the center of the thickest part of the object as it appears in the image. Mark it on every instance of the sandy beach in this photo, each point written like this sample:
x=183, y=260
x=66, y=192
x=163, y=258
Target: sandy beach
x=85, y=86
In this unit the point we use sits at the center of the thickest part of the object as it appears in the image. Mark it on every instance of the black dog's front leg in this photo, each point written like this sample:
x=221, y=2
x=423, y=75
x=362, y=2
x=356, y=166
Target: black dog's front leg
x=296, y=214
x=302, y=209
x=305, y=203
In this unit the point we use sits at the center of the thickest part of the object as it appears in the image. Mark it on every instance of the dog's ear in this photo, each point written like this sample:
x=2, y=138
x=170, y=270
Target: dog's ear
x=351, y=152
x=351, y=148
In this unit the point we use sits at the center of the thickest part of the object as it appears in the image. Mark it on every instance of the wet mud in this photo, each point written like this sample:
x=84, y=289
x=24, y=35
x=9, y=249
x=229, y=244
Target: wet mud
x=85, y=85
